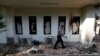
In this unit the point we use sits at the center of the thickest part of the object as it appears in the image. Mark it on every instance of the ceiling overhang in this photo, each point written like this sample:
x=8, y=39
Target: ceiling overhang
x=47, y=3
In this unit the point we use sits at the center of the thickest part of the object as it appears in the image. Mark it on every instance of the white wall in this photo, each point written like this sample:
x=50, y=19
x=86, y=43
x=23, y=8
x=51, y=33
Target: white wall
x=3, y=37
x=87, y=26
x=39, y=13
x=54, y=13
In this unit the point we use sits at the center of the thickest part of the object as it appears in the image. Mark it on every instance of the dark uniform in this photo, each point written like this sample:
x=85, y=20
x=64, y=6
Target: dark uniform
x=59, y=40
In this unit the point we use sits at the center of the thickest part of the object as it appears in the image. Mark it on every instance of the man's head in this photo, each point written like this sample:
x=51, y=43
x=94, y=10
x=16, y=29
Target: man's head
x=62, y=26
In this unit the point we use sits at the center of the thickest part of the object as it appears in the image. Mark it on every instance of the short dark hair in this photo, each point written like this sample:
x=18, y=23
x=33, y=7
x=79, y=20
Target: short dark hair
x=62, y=25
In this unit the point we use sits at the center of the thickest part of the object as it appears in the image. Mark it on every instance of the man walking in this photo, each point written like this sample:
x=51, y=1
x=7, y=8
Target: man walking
x=59, y=39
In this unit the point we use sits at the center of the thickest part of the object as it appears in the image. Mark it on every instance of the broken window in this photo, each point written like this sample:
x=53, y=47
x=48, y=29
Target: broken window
x=97, y=25
x=75, y=23
x=62, y=23
x=47, y=24
x=32, y=25
x=18, y=24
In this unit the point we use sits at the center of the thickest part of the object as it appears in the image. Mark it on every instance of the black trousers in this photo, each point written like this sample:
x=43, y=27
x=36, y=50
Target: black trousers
x=59, y=40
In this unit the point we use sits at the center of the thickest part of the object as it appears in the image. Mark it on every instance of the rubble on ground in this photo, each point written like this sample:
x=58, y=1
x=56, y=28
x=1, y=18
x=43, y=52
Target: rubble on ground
x=71, y=49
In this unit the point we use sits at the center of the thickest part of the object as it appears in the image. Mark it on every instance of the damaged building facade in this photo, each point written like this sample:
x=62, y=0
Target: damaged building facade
x=38, y=21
